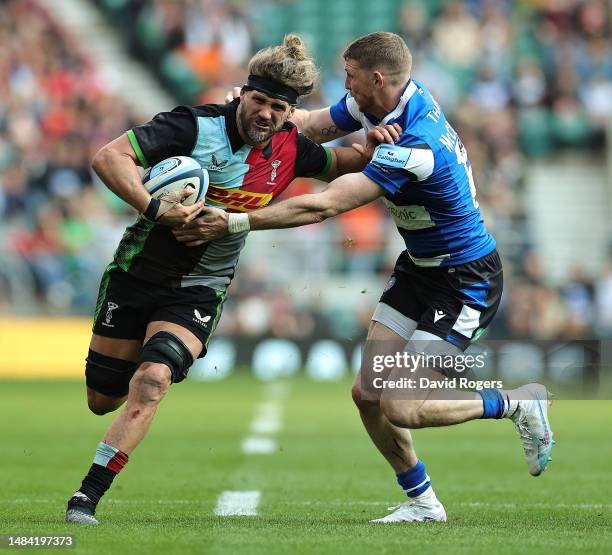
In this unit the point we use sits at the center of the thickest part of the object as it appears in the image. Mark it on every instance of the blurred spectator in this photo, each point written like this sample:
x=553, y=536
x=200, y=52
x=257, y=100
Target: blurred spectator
x=517, y=80
x=603, y=302
x=53, y=116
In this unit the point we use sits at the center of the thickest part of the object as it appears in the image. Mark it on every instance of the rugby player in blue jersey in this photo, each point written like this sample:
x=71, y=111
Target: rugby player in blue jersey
x=446, y=285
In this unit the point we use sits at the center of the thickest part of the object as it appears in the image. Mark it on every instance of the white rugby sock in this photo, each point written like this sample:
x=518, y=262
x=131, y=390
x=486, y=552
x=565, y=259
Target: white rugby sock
x=510, y=404
x=428, y=496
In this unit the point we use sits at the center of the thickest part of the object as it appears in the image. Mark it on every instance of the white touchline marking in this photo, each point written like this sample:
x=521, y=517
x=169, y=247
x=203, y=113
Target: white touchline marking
x=258, y=445
x=232, y=503
x=329, y=503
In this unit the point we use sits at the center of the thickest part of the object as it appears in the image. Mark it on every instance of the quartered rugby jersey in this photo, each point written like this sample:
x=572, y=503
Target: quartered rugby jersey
x=428, y=178
x=242, y=178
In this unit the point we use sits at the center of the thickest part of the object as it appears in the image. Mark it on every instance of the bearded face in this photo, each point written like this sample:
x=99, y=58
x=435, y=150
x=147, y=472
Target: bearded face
x=261, y=116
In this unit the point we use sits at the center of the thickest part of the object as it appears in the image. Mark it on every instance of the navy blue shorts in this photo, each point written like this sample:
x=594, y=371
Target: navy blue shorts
x=455, y=303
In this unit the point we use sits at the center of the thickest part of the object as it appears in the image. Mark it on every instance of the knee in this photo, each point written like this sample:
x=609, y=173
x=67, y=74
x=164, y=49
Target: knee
x=362, y=404
x=150, y=383
x=403, y=414
x=100, y=406
x=97, y=408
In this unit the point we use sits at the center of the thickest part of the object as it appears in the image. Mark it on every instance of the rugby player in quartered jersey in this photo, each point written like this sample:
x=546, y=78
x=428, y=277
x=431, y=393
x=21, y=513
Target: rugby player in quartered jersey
x=160, y=299
x=242, y=178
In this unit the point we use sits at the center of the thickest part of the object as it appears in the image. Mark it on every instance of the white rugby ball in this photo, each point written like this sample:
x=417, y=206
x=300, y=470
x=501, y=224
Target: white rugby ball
x=176, y=173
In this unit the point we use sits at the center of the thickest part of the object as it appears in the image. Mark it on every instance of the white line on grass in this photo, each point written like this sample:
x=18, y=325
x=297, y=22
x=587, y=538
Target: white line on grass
x=238, y=503
x=266, y=423
x=258, y=445
x=268, y=419
x=330, y=503
x=263, y=425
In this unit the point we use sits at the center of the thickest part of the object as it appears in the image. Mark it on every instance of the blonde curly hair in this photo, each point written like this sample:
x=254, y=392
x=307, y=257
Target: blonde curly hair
x=288, y=64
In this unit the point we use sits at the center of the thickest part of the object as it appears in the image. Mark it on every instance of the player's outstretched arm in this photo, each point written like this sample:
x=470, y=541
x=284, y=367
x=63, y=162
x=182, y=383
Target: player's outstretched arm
x=317, y=125
x=343, y=194
x=116, y=165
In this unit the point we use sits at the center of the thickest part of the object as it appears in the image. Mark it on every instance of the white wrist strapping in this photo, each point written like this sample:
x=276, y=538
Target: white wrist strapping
x=237, y=223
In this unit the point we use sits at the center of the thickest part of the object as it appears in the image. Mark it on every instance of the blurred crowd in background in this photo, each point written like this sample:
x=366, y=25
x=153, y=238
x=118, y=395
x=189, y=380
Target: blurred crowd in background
x=518, y=80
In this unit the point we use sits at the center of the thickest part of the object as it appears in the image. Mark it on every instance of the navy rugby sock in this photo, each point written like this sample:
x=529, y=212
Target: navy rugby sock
x=107, y=463
x=414, y=481
x=494, y=402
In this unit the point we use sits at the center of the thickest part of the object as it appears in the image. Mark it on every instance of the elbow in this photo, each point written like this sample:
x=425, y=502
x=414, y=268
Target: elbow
x=107, y=157
x=325, y=212
x=100, y=160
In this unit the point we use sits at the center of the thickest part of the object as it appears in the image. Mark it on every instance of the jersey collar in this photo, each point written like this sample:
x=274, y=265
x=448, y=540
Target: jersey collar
x=410, y=89
x=231, y=126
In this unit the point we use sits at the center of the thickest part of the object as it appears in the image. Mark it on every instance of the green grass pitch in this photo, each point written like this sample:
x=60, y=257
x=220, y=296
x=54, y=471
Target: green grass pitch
x=318, y=489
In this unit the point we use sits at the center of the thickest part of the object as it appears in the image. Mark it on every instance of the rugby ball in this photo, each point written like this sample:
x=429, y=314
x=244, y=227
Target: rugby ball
x=176, y=173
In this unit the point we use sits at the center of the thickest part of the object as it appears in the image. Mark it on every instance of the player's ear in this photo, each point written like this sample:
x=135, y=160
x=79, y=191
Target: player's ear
x=291, y=110
x=379, y=79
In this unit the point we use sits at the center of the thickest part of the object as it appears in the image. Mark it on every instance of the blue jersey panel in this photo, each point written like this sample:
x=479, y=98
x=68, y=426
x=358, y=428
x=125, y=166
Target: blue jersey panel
x=432, y=198
x=342, y=116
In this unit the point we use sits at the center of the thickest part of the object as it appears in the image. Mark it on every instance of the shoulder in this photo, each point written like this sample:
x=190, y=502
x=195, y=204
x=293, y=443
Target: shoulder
x=290, y=127
x=213, y=110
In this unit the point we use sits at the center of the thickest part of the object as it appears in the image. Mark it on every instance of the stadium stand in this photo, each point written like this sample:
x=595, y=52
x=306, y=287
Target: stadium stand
x=525, y=82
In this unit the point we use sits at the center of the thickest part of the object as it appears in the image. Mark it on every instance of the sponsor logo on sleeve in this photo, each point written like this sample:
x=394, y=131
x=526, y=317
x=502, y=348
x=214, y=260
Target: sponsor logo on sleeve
x=391, y=156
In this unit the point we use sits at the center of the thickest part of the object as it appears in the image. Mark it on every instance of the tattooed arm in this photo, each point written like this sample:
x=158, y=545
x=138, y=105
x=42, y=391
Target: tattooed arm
x=317, y=125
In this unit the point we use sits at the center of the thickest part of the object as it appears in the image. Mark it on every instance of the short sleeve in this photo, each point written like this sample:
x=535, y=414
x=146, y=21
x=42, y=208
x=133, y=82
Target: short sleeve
x=311, y=160
x=342, y=116
x=394, y=166
x=167, y=134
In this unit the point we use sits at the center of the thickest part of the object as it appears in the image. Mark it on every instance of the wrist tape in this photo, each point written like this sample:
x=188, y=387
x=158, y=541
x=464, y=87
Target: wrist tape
x=237, y=223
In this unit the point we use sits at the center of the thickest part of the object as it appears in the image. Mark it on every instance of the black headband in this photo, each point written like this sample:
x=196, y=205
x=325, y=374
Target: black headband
x=271, y=88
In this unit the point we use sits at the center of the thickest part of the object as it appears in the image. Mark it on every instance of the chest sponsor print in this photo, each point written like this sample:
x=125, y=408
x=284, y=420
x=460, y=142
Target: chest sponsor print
x=410, y=217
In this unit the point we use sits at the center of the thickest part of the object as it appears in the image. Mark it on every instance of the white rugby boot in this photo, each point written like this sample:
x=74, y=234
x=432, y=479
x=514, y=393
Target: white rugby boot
x=424, y=508
x=531, y=421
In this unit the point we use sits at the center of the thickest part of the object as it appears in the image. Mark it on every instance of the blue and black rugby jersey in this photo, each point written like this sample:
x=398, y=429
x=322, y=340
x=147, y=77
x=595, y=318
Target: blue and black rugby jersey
x=242, y=178
x=428, y=178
